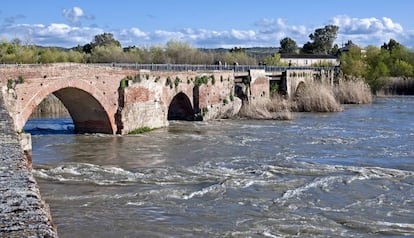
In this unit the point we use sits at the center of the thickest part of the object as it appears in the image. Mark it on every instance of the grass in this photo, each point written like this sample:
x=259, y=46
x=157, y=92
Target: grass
x=140, y=130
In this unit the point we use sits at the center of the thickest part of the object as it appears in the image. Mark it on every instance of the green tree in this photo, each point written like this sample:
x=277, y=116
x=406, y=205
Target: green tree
x=308, y=48
x=288, y=46
x=391, y=45
x=323, y=39
x=106, y=54
x=47, y=56
x=377, y=72
x=157, y=55
x=179, y=52
x=237, y=50
x=274, y=60
x=403, y=69
x=353, y=63
x=238, y=56
x=334, y=50
x=105, y=39
x=75, y=56
x=376, y=76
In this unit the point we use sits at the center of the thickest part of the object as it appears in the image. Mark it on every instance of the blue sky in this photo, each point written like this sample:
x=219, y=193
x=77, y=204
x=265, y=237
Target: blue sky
x=207, y=24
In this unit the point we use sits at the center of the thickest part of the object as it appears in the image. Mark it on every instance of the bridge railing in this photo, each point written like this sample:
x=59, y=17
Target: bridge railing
x=235, y=68
x=198, y=67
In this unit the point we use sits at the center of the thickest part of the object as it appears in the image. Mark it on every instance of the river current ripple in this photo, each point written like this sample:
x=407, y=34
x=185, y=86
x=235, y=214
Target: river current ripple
x=346, y=174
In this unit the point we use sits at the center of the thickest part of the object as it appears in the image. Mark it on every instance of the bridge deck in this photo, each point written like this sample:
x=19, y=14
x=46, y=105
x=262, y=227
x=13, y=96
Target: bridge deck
x=235, y=68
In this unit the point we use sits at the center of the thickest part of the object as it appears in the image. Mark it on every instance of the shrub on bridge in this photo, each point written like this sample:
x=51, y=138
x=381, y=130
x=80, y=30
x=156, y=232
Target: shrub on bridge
x=10, y=83
x=177, y=81
x=123, y=84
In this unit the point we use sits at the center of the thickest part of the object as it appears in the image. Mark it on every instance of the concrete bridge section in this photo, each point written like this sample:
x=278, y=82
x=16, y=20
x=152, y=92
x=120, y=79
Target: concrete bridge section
x=23, y=213
x=106, y=99
x=288, y=82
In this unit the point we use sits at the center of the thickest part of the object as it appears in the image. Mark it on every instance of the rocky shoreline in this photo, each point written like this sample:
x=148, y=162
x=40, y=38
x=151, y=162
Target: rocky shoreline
x=23, y=213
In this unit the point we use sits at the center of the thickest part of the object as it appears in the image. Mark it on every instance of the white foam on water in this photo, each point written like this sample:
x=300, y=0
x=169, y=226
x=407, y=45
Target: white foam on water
x=215, y=188
x=269, y=234
x=84, y=172
x=136, y=204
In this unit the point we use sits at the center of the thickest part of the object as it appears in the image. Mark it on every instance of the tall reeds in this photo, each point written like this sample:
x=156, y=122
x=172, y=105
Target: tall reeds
x=316, y=97
x=312, y=97
x=398, y=86
x=353, y=92
x=275, y=109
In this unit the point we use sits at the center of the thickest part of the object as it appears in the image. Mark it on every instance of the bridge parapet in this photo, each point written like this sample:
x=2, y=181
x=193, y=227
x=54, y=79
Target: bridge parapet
x=218, y=67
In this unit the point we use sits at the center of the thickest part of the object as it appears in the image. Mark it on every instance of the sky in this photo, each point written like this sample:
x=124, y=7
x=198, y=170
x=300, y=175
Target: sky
x=205, y=24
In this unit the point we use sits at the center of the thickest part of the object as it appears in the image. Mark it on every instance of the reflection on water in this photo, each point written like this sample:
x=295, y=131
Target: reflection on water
x=347, y=174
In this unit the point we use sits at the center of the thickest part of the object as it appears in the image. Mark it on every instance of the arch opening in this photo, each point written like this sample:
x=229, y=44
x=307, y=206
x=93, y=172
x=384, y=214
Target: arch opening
x=180, y=108
x=85, y=111
x=49, y=117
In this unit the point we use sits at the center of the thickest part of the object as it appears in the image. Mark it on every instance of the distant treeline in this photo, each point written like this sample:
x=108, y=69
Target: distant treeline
x=105, y=49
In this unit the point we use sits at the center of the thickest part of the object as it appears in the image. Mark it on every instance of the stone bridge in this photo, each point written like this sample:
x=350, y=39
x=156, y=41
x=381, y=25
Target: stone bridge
x=111, y=99
x=105, y=99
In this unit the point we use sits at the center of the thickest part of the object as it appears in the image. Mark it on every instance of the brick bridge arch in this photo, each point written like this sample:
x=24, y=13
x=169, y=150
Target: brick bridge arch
x=180, y=108
x=90, y=109
x=107, y=99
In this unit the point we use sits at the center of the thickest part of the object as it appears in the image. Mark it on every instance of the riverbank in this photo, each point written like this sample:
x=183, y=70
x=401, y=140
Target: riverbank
x=23, y=213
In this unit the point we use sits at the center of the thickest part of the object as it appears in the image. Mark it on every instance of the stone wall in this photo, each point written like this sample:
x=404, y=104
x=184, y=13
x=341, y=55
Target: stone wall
x=23, y=213
x=148, y=96
x=259, y=85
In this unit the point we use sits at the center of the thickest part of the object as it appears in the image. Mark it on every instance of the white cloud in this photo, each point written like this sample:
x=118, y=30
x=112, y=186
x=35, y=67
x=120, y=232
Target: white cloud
x=370, y=31
x=138, y=33
x=266, y=32
x=243, y=35
x=51, y=35
x=73, y=14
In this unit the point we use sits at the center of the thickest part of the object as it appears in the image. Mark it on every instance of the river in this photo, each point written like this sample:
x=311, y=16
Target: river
x=346, y=174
